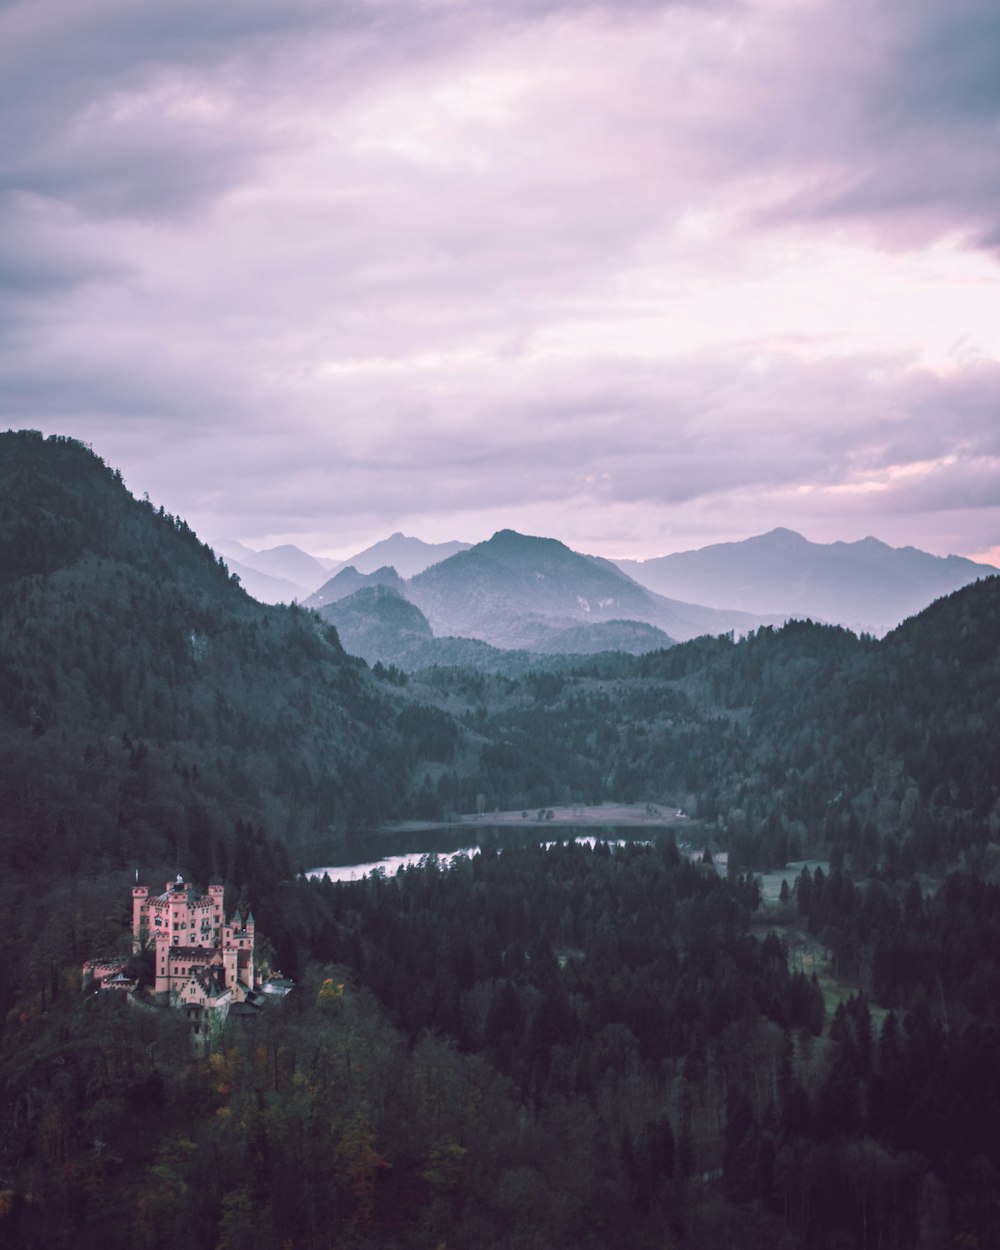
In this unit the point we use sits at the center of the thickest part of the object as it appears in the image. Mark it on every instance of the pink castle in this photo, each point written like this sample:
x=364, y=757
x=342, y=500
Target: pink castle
x=200, y=959
x=201, y=962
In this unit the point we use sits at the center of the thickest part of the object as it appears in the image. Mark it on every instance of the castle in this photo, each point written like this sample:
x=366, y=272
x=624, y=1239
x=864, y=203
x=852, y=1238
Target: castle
x=201, y=961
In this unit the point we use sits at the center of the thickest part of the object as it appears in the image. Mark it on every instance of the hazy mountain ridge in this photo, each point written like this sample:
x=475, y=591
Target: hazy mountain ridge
x=349, y=580
x=863, y=585
x=262, y=586
x=283, y=574
x=378, y=623
x=514, y=589
x=287, y=574
x=408, y=556
x=510, y=590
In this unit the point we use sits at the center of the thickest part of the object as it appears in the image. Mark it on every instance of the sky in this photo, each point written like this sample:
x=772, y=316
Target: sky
x=640, y=276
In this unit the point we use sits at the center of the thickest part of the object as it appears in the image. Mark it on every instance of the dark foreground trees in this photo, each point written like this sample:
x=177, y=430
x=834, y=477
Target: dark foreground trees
x=539, y=1048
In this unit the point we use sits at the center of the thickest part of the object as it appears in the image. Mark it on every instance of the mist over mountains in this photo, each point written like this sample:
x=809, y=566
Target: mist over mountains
x=866, y=585
x=515, y=592
x=521, y=593
x=379, y=623
x=286, y=573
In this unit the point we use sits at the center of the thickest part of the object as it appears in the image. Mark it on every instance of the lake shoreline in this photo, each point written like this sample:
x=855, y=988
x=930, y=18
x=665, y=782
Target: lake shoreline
x=606, y=815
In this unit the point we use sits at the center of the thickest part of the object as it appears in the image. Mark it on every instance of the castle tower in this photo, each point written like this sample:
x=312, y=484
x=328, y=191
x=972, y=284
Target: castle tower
x=251, y=974
x=215, y=894
x=140, y=917
x=161, y=956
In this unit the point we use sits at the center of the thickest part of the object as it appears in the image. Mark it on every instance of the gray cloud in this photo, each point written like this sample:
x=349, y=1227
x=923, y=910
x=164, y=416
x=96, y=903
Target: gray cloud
x=599, y=443
x=43, y=253
x=899, y=130
x=325, y=269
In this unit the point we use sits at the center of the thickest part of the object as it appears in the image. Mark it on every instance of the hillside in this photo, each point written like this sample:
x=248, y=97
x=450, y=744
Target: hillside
x=803, y=737
x=376, y=622
x=147, y=704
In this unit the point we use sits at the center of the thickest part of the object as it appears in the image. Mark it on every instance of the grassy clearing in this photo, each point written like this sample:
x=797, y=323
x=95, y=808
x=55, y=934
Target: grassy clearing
x=770, y=882
x=807, y=954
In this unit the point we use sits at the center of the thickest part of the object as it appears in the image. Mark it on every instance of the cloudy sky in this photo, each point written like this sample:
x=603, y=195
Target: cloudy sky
x=641, y=276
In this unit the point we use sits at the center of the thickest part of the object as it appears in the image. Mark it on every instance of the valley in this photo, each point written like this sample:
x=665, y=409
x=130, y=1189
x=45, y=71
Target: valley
x=649, y=1031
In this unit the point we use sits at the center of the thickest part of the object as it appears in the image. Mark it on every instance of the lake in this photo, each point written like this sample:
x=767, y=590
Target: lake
x=470, y=841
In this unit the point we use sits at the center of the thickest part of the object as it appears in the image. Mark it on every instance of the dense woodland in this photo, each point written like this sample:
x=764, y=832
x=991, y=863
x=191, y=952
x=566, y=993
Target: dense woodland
x=793, y=738
x=532, y=1048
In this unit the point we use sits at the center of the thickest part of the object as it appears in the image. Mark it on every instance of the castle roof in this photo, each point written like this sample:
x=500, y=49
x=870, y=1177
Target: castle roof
x=212, y=980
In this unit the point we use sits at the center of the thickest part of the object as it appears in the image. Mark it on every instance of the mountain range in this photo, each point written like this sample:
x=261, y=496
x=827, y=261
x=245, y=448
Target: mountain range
x=147, y=703
x=380, y=624
x=521, y=593
x=287, y=574
x=866, y=585
x=516, y=592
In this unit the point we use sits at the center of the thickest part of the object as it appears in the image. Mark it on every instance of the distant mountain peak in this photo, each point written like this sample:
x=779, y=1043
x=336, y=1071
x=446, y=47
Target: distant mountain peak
x=347, y=581
x=513, y=590
x=276, y=574
x=408, y=556
x=780, y=534
x=509, y=537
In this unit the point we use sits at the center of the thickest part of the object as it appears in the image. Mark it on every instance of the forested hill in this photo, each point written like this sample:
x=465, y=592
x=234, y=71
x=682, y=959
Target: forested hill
x=148, y=707
x=794, y=738
x=147, y=704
